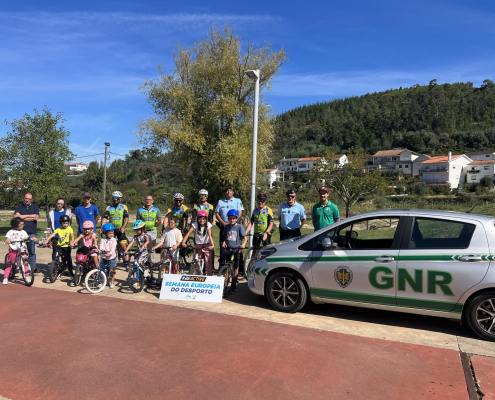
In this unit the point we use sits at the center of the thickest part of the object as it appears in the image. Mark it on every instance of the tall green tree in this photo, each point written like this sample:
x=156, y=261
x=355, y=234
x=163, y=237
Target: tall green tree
x=204, y=110
x=37, y=147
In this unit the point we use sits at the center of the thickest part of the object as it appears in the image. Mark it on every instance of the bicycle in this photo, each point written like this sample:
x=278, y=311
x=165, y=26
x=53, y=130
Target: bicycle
x=84, y=264
x=96, y=279
x=186, y=256
x=21, y=264
x=138, y=272
x=58, y=264
x=227, y=271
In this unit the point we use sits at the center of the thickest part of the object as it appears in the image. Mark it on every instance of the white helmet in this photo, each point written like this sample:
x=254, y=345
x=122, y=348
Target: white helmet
x=178, y=196
x=117, y=194
x=203, y=192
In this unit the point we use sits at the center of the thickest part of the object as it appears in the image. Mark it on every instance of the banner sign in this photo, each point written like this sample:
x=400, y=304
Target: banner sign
x=192, y=288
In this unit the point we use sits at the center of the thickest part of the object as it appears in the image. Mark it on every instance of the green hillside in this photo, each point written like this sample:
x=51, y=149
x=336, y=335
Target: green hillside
x=431, y=118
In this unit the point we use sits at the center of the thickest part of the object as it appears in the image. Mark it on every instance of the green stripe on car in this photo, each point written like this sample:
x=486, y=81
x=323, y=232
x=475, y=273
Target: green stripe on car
x=433, y=257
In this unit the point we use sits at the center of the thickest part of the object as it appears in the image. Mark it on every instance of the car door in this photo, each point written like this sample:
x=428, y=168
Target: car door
x=361, y=264
x=440, y=259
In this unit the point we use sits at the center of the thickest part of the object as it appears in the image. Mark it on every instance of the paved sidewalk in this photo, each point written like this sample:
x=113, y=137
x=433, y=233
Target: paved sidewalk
x=61, y=345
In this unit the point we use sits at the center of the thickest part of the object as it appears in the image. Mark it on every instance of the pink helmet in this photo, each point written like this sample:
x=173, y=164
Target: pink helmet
x=88, y=225
x=202, y=213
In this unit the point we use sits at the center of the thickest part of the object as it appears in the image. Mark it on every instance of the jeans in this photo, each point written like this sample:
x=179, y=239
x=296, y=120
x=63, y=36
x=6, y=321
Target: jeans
x=289, y=233
x=31, y=246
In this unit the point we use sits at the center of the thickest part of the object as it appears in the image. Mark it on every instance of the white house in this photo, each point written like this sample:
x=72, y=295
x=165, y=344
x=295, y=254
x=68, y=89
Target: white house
x=445, y=170
x=475, y=171
x=272, y=175
x=303, y=164
x=76, y=166
x=486, y=156
x=397, y=160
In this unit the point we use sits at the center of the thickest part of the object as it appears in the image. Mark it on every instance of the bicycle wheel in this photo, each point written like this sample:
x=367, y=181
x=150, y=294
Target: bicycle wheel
x=53, y=269
x=228, y=274
x=76, y=279
x=195, y=268
x=136, y=279
x=95, y=281
x=27, y=273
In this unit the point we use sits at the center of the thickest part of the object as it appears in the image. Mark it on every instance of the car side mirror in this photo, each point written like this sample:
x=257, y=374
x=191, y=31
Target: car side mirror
x=328, y=243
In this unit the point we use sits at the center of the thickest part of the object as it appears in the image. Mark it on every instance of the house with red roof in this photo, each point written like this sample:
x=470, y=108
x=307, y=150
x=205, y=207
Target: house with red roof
x=445, y=170
x=402, y=160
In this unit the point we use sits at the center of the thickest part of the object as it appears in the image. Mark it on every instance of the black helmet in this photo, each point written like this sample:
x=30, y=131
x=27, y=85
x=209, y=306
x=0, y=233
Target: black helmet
x=64, y=218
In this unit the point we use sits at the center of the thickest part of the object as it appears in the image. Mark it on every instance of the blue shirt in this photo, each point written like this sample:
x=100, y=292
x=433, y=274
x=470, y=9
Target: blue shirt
x=56, y=218
x=291, y=217
x=86, y=214
x=29, y=226
x=224, y=206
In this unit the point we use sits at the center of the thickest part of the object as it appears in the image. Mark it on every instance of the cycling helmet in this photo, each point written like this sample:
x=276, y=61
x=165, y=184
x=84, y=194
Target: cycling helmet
x=138, y=224
x=88, y=225
x=117, y=194
x=233, y=213
x=203, y=192
x=178, y=196
x=107, y=227
x=64, y=218
x=202, y=213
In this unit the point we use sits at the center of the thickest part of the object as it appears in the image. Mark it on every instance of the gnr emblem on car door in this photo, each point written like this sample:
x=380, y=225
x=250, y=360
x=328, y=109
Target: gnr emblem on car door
x=343, y=276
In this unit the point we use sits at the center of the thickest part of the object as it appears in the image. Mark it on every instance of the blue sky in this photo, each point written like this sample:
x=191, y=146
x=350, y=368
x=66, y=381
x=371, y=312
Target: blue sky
x=89, y=60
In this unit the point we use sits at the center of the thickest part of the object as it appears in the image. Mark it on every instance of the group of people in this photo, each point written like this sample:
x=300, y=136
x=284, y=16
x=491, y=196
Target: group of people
x=169, y=231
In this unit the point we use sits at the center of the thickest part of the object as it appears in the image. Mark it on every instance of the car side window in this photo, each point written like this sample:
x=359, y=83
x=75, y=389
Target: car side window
x=429, y=233
x=367, y=234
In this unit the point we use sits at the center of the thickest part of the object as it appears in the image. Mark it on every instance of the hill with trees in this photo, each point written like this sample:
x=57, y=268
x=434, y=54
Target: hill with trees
x=432, y=118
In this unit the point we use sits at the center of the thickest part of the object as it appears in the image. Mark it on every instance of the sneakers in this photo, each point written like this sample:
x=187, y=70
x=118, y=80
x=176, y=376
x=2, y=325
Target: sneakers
x=5, y=281
x=112, y=285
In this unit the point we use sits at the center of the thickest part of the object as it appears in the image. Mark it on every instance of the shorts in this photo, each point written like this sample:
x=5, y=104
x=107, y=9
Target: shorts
x=258, y=241
x=110, y=264
x=143, y=257
x=121, y=236
x=173, y=254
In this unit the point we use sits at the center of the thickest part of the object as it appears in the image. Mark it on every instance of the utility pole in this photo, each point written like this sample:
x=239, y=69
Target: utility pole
x=107, y=145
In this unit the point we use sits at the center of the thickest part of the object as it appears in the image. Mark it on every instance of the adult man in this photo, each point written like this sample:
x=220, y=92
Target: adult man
x=151, y=216
x=203, y=205
x=291, y=215
x=262, y=223
x=86, y=211
x=117, y=214
x=229, y=202
x=180, y=212
x=29, y=212
x=324, y=212
x=57, y=212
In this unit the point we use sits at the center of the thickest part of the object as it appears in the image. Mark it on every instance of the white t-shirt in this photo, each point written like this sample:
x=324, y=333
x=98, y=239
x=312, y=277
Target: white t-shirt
x=15, y=237
x=171, y=237
x=204, y=238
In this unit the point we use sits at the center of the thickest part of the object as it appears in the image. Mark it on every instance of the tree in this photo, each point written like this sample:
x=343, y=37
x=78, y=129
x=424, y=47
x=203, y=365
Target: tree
x=204, y=110
x=37, y=147
x=351, y=182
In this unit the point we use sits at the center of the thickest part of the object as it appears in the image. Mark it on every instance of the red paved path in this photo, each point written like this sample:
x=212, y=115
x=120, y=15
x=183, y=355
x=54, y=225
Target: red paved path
x=485, y=374
x=88, y=347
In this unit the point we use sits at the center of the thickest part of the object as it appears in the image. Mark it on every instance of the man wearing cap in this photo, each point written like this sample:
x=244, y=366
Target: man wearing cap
x=229, y=202
x=324, y=212
x=262, y=223
x=291, y=215
x=86, y=211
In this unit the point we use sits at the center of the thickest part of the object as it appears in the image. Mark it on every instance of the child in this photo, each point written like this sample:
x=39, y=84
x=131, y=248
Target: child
x=88, y=239
x=141, y=239
x=108, y=251
x=171, y=239
x=203, y=240
x=15, y=239
x=65, y=236
x=234, y=240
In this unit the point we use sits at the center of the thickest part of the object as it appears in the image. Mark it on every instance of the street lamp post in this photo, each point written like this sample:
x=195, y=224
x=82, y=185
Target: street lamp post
x=107, y=145
x=255, y=75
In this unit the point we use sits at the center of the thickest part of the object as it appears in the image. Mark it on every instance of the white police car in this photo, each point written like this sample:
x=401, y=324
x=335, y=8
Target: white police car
x=417, y=261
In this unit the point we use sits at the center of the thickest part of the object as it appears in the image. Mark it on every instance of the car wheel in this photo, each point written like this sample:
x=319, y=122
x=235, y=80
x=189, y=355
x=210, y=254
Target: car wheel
x=286, y=292
x=481, y=315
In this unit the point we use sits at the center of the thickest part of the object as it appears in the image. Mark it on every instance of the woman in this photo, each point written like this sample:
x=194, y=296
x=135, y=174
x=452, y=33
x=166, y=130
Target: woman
x=55, y=214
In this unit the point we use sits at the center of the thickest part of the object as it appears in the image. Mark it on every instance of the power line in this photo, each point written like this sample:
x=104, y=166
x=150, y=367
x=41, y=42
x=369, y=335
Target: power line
x=116, y=154
x=89, y=155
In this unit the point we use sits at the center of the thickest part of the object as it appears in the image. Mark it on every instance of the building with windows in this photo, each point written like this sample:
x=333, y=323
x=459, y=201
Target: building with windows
x=76, y=167
x=478, y=169
x=401, y=160
x=272, y=175
x=445, y=170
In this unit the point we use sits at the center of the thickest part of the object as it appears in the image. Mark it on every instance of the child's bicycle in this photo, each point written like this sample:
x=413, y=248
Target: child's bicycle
x=227, y=270
x=138, y=271
x=96, y=279
x=58, y=264
x=198, y=264
x=21, y=264
x=84, y=264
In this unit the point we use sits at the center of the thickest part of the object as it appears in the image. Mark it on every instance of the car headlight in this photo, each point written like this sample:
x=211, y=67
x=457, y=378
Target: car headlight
x=265, y=252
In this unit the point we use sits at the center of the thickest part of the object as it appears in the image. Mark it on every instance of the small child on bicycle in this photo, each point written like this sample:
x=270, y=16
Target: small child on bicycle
x=203, y=240
x=234, y=240
x=64, y=236
x=15, y=239
x=142, y=240
x=89, y=240
x=108, y=251
x=171, y=240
